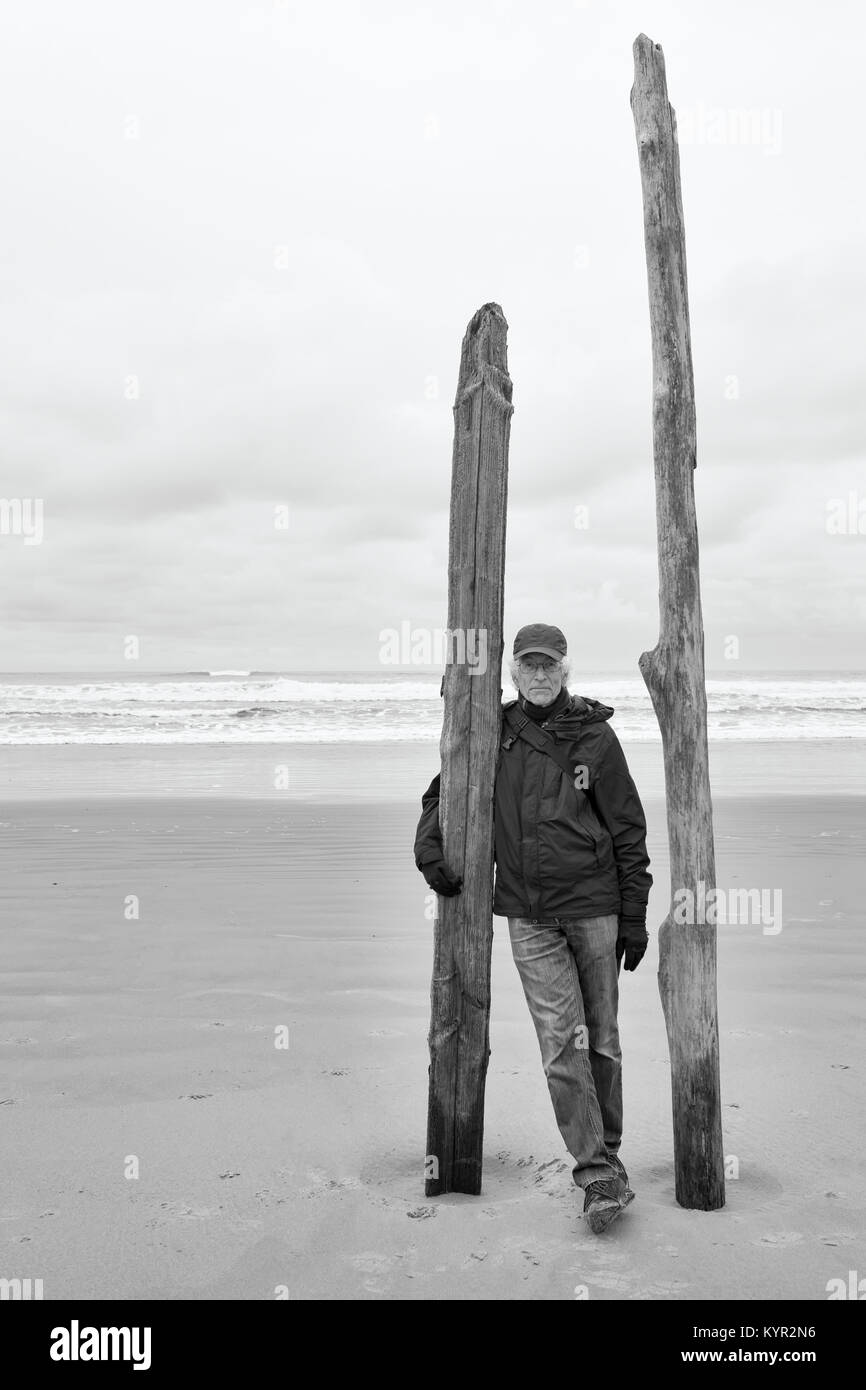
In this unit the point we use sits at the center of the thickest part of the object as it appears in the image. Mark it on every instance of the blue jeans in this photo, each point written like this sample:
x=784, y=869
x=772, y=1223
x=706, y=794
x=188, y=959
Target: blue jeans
x=570, y=977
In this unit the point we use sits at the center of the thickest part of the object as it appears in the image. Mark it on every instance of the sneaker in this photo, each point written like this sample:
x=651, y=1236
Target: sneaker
x=604, y=1200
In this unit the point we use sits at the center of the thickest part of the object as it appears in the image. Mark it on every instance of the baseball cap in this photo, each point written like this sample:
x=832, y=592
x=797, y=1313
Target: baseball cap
x=540, y=637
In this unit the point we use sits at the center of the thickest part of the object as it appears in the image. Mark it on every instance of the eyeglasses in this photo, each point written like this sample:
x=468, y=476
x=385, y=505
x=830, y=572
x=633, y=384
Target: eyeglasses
x=547, y=667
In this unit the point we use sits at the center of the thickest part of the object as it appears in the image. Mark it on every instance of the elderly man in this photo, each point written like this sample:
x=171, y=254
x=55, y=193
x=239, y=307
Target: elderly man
x=572, y=878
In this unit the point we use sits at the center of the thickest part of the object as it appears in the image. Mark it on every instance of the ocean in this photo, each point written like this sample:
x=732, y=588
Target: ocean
x=252, y=707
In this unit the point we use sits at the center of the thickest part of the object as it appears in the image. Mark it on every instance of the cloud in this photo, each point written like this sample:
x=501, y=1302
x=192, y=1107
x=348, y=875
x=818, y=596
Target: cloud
x=243, y=285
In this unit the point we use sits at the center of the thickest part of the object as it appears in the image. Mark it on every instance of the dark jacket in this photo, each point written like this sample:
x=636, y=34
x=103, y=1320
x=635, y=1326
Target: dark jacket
x=559, y=851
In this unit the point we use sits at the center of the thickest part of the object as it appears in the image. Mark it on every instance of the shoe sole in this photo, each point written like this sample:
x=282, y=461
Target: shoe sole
x=600, y=1218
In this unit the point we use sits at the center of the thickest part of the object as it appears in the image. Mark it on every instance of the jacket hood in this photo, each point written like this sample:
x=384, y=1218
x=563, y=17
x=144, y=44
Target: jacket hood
x=579, y=712
x=589, y=711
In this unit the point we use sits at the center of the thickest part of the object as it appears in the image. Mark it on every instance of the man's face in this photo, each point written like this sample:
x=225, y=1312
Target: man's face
x=539, y=678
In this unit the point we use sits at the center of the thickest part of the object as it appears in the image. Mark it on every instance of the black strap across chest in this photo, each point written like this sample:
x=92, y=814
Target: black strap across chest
x=525, y=728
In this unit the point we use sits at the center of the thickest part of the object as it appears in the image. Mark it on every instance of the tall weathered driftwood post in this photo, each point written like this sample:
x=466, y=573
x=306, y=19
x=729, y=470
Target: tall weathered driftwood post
x=674, y=669
x=463, y=934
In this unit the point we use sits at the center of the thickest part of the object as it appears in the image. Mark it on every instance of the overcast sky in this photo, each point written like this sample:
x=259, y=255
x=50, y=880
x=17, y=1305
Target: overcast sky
x=240, y=246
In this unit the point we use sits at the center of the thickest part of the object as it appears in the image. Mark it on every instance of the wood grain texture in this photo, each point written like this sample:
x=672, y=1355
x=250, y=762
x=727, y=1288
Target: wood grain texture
x=463, y=932
x=674, y=669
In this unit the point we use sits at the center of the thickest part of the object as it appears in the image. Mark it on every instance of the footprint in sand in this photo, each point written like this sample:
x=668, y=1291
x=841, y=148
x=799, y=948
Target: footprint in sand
x=372, y=1262
x=323, y=1184
x=268, y=1197
x=543, y=1169
x=181, y=1211
x=504, y=1155
x=780, y=1239
x=674, y=1289
x=512, y=1246
x=628, y=1287
x=554, y=1179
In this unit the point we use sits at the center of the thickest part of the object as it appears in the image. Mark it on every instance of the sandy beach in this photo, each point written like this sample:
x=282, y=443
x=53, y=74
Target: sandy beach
x=149, y=1040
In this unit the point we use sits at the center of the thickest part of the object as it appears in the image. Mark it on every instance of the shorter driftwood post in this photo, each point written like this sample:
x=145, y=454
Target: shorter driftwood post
x=674, y=669
x=463, y=933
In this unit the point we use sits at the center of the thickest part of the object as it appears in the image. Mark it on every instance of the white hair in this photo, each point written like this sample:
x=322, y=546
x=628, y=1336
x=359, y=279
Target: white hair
x=565, y=663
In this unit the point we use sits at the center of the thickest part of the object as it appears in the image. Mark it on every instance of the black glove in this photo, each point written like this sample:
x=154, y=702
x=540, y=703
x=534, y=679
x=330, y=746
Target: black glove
x=440, y=879
x=631, y=942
